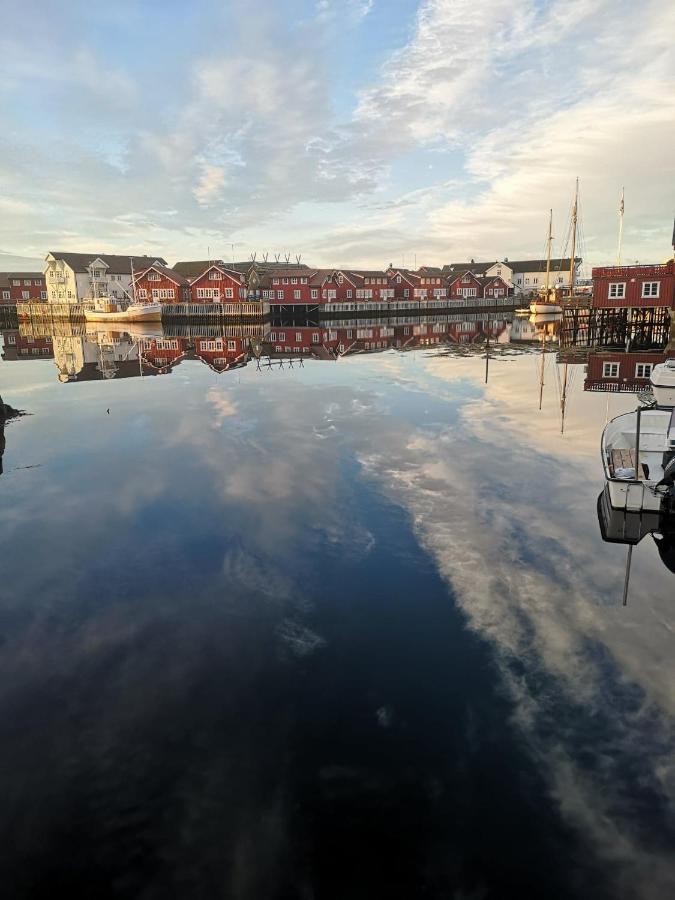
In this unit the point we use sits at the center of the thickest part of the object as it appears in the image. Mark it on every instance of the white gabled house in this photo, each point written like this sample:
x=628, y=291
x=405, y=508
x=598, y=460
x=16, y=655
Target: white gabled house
x=74, y=277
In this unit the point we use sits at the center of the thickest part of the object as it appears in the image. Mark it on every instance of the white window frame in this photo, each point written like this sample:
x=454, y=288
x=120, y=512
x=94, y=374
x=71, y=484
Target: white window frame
x=643, y=370
x=610, y=369
x=616, y=290
x=651, y=288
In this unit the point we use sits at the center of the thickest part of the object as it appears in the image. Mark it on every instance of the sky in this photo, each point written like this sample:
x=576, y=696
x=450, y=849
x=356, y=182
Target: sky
x=350, y=132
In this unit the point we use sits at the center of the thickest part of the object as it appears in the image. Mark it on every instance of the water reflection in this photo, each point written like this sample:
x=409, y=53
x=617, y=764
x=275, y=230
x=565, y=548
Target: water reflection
x=343, y=630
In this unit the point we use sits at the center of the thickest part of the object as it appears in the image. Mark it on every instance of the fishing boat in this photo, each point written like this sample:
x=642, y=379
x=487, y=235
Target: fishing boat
x=110, y=311
x=103, y=309
x=638, y=450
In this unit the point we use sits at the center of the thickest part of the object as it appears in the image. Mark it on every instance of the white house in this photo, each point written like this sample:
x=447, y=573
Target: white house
x=74, y=277
x=530, y=274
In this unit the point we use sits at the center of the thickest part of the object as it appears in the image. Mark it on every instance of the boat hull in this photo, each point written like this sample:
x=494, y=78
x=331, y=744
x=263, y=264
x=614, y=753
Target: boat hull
x=632, y=496
x=151, y=312
x=547, y=308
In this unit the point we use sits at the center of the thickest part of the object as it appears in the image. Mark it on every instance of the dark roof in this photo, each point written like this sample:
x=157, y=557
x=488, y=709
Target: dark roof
x=539, y=265
x=119, y=265
x=486, y=279
x=365, y=273
x=288, y=271
x=163, y=270
x=5, y=275
x=454, y=274
x=478, y=268
x=195, y=268
x=436, y=271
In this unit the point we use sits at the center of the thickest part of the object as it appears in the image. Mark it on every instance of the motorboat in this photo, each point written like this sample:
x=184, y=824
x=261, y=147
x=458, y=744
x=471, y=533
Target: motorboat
x=109, y=311
x=638, y=449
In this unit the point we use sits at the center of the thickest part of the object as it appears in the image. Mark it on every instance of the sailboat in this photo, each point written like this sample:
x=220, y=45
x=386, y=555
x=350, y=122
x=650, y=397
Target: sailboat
x=107, y=310
x=548, y=300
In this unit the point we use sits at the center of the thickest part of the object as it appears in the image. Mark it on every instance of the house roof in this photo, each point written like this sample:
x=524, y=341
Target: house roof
x=478, y=268
x=539, y=265
x=5, y=276
x=453, y=275
x=433, y=271
x=118, y=265
x=488, y=279
x=194, y=268
x=171, y=274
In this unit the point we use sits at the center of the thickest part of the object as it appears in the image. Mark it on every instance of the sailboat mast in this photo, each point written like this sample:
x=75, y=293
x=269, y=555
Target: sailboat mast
x=618, y=252
x=548, y=250
x=574, y=237
x=133, y=281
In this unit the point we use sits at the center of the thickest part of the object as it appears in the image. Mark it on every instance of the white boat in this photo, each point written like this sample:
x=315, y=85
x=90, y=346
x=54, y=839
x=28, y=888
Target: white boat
x=109, y=312
x=545, y=307
x=638, y=449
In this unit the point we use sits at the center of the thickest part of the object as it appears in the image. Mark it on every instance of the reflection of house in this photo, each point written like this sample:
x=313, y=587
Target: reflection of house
x=19, y=346
x=618, y=372
x=634, y=286
x=18, y=286
x=74, y=277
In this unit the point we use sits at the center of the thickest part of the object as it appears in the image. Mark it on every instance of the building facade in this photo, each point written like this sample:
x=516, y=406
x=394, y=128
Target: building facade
x=16, y=287
x=634, y=286
x=75, y=277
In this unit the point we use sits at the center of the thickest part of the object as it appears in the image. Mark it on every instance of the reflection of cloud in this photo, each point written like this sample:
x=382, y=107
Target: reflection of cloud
x=223, y=404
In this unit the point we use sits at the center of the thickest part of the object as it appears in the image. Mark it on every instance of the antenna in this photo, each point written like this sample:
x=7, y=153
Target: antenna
x=298, y=258
x=253, y=255
x=276, y=257
x=265, y=255
x=288, y=258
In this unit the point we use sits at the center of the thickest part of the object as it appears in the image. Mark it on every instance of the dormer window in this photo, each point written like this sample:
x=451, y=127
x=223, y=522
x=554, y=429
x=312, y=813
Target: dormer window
x=398, y=279
x=340, y=279
x=154, y=276
x=215, y=275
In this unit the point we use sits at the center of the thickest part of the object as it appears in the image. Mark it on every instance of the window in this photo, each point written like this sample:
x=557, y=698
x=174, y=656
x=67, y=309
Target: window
x=229, y=293
x=37, y=282
x=43, y=295
x=154, y=276
x=298, y=337
x=315, y=338
x=349, y=294
x=207, y=293
x=284, y=280
x=16, y=282
x=340, y=279
x=215, y=275
x=315, y=294
x=5, y=295
x=35, y=351
x=303, y=281
x=280, y=295
x=231, y=345
x=398, y=279
x=275, y=281
x=643, y=370
x=296, y=295
x=25, y=295
x=350, y=334
x=282, y=335
x=26, y=282
x=11, y=339
x=142, y=293
x=650, y=288
x=294, y=280
x=617, y=291
x=278, y=349
x=610, y=370
x=406, y=292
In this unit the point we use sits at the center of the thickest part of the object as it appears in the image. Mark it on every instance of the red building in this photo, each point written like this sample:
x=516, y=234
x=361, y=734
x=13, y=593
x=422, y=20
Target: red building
x=619, y=372
x=218, y=284
x=403, y=283
x=493, y=287
x=634, y=286
x=464, y=286
x=356, y=286
x=291, y=286
x=161, y=284
x=18, y=286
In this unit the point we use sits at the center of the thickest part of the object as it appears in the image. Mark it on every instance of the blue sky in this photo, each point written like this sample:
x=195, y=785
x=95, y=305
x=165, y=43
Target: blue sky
x=351, y=131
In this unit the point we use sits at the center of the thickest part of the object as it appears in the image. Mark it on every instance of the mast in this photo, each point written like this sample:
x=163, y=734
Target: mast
x=575, y=210
x=133, y=281
x=618, y=252
x=541, y=374
x=549, y=241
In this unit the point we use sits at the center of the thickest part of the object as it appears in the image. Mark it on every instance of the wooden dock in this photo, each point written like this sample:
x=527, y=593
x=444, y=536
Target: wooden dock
x=216, y=311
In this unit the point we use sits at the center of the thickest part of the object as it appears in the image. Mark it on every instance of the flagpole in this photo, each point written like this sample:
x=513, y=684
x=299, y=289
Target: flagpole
x=618, y=253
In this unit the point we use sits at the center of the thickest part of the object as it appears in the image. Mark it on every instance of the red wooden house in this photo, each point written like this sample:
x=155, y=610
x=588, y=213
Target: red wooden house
x=464, y=285
x=403, y=283
x=20, y=346
x=218, y=284
x=634, y=286
x=18, y=286
x=493, y=287
x=291, y=286
x=161, y=284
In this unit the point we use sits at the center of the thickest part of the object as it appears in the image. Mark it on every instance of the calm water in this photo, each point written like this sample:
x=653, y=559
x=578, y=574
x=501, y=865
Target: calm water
x=345, y=629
